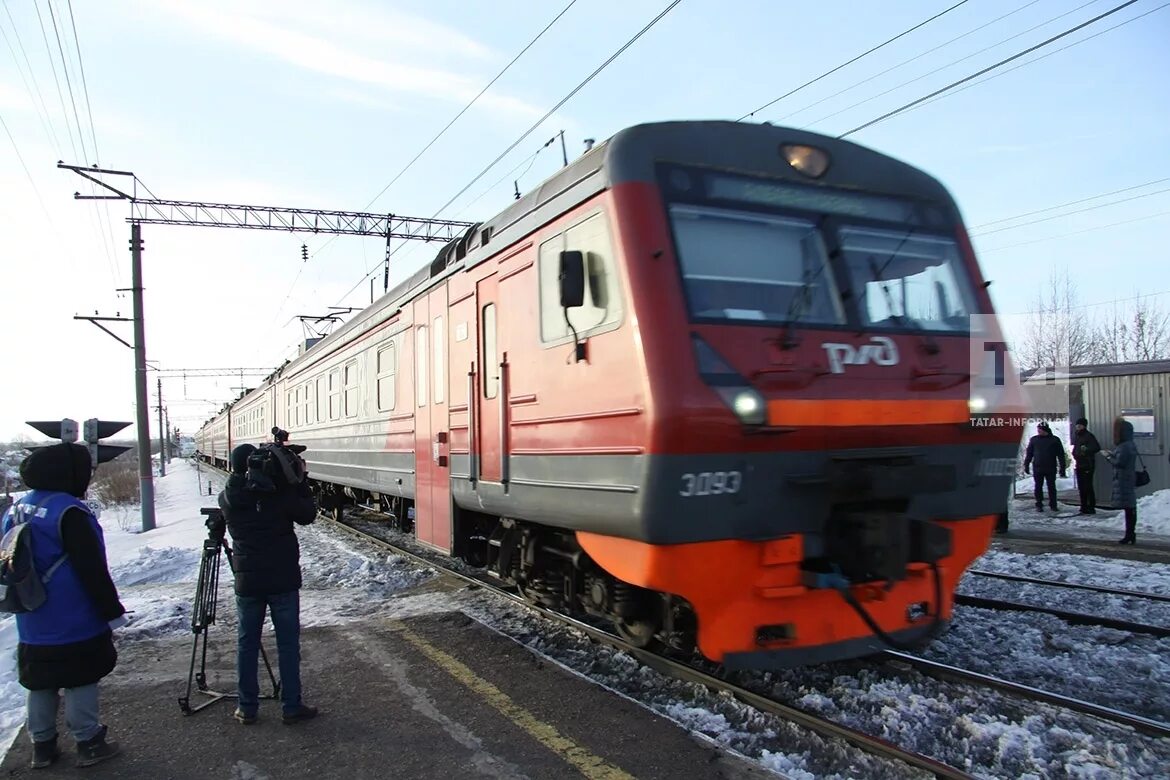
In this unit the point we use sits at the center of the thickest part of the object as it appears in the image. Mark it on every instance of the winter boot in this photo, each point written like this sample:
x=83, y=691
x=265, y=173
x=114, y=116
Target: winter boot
x=303, y=712
x=95, y=750
x=45, y=753
x=244, y=717
x=1130, y=530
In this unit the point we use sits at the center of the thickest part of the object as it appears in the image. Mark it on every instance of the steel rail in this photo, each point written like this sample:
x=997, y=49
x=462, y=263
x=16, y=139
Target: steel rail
x=1149, y=726
x=1073, y=585
x=1076, y=618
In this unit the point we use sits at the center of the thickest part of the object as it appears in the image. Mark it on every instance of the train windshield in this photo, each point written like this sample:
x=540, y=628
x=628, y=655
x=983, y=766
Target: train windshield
x=753, y=249
x=905, y=280
x=744, y=265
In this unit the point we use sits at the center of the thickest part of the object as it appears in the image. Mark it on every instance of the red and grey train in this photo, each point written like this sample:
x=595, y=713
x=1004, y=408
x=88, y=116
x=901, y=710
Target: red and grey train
x=711, y=381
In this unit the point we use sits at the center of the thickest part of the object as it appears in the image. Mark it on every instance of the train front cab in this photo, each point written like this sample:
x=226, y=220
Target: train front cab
x=815, y=486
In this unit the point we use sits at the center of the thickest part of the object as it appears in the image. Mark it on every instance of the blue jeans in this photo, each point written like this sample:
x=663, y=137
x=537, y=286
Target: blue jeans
x=286, y=619
x=81, y=713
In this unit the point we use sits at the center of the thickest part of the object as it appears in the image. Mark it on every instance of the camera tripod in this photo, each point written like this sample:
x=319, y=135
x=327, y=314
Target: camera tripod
x=203, y=615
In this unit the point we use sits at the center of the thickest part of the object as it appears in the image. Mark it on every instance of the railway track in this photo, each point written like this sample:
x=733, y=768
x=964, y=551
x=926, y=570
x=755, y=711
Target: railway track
x=1070, y=585
x=682, y=671
x=826, y=728
x=1076, y=618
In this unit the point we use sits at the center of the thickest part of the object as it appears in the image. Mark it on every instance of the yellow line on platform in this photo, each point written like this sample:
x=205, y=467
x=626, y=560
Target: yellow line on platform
x=588, y=764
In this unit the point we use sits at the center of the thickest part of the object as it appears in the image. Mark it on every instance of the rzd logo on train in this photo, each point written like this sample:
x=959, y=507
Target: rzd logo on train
x=881, y=352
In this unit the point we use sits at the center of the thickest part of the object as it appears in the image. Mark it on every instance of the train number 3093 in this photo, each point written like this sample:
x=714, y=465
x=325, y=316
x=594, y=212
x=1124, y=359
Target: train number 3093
x=710, y=483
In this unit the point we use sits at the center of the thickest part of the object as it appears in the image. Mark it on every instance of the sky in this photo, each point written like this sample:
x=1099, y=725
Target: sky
x=322, y=106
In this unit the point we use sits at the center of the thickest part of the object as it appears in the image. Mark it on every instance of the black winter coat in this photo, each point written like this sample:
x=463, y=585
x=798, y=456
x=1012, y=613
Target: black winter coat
x=1044, y=453
x=1085, y=449
x=267, y=555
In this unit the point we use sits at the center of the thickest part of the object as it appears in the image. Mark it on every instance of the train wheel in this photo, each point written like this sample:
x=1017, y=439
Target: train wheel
x=639, y=633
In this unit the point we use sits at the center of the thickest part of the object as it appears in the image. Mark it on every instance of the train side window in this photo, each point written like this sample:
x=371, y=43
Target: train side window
x=386, y=368
x=295, y=417
x=290, y=407
x=306, y=404
x=350, y=377
x=334, y=395
x=420, y=358
x=321, y=397
x=491, y=360
x=602, y=307
x=440, y=365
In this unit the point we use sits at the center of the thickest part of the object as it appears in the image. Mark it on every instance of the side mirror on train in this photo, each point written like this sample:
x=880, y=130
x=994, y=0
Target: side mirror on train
x=572, y=279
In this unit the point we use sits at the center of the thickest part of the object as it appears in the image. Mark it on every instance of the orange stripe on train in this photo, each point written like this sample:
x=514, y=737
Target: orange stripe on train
x=854, y=412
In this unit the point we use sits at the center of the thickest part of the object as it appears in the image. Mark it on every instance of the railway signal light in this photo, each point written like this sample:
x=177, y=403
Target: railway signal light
x=93, y=432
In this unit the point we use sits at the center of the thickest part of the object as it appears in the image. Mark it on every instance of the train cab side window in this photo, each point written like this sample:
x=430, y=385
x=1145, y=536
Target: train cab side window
x=334, y=395
x=491, y=358
x=602, y=306
x=386, y=368
x=350, y=376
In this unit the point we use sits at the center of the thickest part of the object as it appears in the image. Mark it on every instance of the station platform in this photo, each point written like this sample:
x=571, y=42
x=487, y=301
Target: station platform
x=435, y=695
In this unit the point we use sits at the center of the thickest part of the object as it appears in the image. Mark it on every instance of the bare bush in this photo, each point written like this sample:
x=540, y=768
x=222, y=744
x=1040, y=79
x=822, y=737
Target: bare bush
x=116, y=483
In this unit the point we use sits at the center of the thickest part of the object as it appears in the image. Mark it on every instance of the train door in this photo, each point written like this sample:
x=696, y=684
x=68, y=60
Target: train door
x=487, y=396
x=432, y=451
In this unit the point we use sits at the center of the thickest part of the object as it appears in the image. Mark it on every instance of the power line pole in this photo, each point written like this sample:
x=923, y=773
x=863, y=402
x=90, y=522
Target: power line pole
x=564, y=153
x=162, y=435
x=142, y=418
x=142, y=402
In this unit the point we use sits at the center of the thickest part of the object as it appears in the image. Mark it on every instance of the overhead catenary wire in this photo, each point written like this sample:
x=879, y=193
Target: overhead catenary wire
x=1069, y=203
x=903, y=63
x=43, y=113
x=536, y=125
x=950, y=64
x=988, y=69
x=609, y=60
x=993, y=76
x=1069, y=213
x=851, y=61
x=1076, y=232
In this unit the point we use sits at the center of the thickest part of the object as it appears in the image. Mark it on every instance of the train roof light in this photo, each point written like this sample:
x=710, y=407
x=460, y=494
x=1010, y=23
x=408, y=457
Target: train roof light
x=809, y=160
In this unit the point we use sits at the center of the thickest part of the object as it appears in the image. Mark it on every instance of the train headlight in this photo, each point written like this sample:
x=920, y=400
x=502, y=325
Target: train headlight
x=977, y=403
x=748, y=405
x=809, y=160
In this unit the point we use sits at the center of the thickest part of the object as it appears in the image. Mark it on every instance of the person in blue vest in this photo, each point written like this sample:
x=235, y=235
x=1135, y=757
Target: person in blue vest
x=66, y=643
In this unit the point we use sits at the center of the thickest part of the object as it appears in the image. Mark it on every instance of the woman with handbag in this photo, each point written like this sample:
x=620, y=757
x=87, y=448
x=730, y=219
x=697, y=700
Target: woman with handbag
x=1124, y=459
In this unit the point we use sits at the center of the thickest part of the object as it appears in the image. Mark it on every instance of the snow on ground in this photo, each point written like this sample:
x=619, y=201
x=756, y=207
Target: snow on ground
x=1153, y=518
x=992, y=735
x=156, y=573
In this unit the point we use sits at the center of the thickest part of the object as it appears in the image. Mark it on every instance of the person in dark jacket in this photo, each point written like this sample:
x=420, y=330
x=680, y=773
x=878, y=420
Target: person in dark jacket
x=260, y=513
x=66, y=643
x=1123, y=458
x=1045, y=453
x=1085, y=449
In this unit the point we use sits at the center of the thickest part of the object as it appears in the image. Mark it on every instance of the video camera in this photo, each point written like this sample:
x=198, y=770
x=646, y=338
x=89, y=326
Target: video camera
x=216, y=523
x=277, y=464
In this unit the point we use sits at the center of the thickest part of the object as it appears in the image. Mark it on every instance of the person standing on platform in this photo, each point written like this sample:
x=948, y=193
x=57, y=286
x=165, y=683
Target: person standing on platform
x=1045, y=453
x=1124, y=461
x=66, y=643
x=261, y=510
x=1085, y=449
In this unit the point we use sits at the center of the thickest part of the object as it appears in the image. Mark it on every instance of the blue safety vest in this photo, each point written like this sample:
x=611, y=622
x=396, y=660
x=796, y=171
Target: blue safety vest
x=68, y=614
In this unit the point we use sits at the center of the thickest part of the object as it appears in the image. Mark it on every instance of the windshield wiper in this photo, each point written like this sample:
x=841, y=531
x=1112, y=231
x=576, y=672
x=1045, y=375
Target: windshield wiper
x=802, y=297
x=903, y=318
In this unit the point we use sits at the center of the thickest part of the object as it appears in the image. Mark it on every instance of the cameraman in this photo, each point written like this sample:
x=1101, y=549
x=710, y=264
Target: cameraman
x=261, y=505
